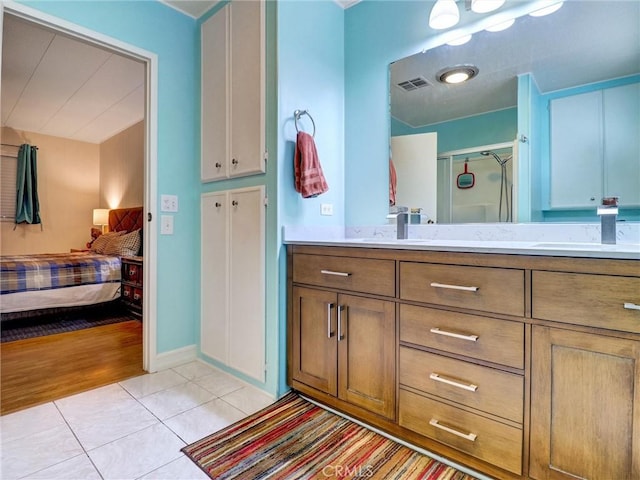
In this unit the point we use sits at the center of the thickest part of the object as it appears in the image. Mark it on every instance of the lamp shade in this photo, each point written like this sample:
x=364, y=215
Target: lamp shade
x=444, y=14
x=100, y=216
x=484, y=6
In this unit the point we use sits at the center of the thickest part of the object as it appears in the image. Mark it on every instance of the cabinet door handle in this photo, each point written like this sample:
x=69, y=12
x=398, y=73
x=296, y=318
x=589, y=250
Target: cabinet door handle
x=338, y=274
x=234, y=203
x=218, y=165
x=465, y=386
x=329, y=332
x=218, y=204
x=234, y=161
x=340, y=336
x=467, y=436
x=631, y=306
x=471, y=338
x=454, y=287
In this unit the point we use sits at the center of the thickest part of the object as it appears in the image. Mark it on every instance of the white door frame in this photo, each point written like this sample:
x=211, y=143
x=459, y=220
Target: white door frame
x=149, y=325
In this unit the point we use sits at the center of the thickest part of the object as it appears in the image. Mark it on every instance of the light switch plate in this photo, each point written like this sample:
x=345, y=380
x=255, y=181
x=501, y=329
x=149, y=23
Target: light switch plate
x=166, y=224
x=168, y=203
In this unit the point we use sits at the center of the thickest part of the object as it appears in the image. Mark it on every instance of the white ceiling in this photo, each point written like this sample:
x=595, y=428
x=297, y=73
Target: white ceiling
x=583, y=42
x=59, y=86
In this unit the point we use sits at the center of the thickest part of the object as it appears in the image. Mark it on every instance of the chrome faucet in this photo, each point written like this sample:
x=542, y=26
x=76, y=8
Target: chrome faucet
x=402, y=222
x=608, y=212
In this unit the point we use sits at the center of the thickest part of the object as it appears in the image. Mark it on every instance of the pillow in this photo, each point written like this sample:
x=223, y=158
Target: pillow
x=101, y=242
x=127, y=245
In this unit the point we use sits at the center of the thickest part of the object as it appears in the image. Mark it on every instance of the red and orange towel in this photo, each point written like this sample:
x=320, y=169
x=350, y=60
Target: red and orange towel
x=309, y=179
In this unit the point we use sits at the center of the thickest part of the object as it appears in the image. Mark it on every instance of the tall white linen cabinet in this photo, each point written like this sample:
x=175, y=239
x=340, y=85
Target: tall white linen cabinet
x=232, y=328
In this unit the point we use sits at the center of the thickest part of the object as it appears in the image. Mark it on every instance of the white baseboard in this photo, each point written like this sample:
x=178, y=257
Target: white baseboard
x=175, y=357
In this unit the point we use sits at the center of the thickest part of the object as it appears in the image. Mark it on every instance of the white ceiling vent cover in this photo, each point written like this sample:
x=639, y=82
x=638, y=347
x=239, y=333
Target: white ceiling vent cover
x=413, y=84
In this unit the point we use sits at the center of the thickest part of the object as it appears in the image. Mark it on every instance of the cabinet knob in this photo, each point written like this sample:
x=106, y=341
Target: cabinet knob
x=218, y=204
x=234, y=203
x=218, y=165
x=234, y=161
x=592, y=199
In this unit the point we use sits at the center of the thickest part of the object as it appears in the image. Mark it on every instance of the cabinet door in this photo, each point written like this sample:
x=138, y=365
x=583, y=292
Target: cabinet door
x=215, y=101
x=314, y=339
x=246, y=281
x=214, y=333
x=247, y=88
x=622, y=143
x=585, y=406
x=367, y=353
x=576, y=151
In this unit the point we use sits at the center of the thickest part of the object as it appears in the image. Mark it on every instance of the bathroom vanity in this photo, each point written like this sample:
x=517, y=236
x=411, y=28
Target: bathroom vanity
x=518, y=362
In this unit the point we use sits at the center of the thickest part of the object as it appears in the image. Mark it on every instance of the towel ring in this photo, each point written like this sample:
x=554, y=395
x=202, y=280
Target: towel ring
x=296, y=116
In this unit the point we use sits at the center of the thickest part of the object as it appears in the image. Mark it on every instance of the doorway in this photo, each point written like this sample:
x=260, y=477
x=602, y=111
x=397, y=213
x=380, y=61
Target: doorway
x=149, y=61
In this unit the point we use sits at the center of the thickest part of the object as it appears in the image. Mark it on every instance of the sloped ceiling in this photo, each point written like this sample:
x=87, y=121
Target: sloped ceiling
x=56, y=85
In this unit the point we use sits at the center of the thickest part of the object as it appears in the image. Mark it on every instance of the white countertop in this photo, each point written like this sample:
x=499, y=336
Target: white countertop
x=565, y=240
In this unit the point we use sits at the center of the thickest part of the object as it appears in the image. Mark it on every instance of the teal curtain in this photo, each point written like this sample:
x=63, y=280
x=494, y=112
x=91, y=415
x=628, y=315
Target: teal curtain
x=27, y=204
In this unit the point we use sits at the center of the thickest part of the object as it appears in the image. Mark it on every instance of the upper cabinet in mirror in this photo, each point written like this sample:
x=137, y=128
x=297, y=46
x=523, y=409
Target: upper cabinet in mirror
x=563, y=155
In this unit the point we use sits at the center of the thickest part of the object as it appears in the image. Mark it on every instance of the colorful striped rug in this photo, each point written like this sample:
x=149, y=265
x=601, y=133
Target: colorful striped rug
x=296, y=439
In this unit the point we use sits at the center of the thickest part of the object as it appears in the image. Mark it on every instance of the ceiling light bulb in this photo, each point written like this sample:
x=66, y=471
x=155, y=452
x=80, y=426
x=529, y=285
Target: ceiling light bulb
x=457, y=77
x=484, y=6
x=547, y=10
x=444, y=14
x=498, y=27
x=457, y=74
x=459, y=41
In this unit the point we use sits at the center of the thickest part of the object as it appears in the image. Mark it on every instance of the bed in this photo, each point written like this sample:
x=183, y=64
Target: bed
x=42, y=283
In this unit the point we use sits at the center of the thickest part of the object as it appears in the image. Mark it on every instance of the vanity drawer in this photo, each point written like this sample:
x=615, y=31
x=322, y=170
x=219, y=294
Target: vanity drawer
x=490, y=339
x=355, y=274
x=483, y=388
x=497, y=290
x=587, y=299
x=488, y=440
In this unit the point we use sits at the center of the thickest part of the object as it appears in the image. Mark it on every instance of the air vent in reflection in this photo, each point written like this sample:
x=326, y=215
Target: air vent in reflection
x=413, y=84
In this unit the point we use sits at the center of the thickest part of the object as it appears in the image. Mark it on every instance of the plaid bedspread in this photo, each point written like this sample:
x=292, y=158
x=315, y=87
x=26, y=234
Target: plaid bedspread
x=22, y=273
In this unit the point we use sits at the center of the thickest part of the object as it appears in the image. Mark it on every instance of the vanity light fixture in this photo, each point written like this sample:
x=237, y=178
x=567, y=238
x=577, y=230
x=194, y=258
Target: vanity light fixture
x=457, y=74
x=485, y=6
x=498, y=27
x=459, y=41
x=444, y=14
x=547, y=10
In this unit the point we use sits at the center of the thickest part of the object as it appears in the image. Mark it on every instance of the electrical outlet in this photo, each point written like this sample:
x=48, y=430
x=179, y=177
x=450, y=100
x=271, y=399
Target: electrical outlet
x=326, y=209
x=168, y=203
x=166, y=224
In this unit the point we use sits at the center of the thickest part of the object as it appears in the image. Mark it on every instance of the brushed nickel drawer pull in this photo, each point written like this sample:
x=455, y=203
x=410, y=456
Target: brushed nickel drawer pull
x=454, y=287
x=340, y=336
x=467, y=436
x=471, y=338
x=465, y=386
x=631, y=306
x=339, y=274
x=329, y=332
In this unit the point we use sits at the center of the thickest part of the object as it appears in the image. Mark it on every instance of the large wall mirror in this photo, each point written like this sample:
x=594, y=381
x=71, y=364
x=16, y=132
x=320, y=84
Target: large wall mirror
x=546, y=128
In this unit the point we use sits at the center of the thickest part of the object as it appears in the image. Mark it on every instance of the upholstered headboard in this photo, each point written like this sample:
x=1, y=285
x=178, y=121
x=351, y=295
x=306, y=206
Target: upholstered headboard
x=127, y=219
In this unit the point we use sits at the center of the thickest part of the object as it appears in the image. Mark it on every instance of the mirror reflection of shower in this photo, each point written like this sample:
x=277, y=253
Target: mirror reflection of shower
x=476, y=185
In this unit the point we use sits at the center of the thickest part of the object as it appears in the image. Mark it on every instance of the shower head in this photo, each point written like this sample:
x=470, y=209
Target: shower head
x=500, y=161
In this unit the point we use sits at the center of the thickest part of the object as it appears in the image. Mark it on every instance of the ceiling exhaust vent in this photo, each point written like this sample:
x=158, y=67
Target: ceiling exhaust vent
x=413, y=84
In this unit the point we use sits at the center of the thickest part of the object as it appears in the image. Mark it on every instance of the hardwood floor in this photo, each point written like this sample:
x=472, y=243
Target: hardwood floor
x=39, y=370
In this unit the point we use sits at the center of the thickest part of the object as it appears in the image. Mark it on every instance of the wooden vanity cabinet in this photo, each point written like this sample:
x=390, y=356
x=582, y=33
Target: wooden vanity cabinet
x=585, y=401
x=339, y=339
x=520, y=367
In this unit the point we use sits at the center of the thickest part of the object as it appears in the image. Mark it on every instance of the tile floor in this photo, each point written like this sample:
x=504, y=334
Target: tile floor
x=128, y=430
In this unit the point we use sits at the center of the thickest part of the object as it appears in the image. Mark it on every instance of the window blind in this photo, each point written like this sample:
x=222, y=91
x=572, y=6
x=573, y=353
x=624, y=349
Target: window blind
x=8, y=172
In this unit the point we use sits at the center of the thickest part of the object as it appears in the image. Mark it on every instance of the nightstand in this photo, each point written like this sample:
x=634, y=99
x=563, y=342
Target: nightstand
x=132, y=276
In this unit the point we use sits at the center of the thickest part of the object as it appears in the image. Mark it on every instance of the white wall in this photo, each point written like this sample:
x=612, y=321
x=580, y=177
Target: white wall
x=68, y=186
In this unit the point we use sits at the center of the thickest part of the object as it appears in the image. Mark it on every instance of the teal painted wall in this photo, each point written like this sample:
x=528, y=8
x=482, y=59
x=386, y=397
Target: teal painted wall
x=311, y=77
x=162, y=30
x=485, y=129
